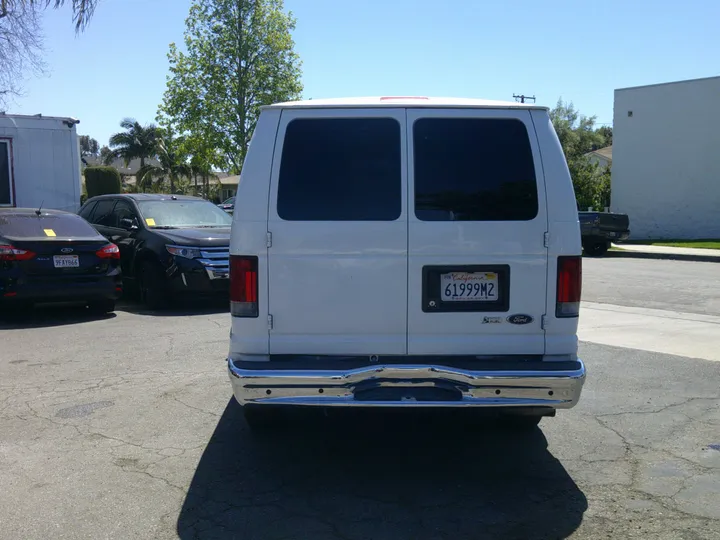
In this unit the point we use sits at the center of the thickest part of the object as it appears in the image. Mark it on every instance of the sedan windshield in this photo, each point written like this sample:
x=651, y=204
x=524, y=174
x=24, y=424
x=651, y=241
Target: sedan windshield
x=187, y=214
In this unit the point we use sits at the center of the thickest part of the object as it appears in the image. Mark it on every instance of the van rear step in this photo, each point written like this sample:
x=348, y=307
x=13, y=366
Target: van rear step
x=475, y=363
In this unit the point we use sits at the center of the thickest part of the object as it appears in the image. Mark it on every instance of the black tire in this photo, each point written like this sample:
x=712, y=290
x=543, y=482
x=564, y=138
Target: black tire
x=154, y=292
x=596, y=248
x=102, y=306
x=261, y=419
x=521, y=422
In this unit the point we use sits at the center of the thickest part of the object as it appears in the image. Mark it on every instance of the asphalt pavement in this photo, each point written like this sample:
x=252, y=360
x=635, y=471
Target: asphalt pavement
x=123, y=427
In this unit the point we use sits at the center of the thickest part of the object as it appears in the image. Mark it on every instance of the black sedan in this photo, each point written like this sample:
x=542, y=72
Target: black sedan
x=53, y=256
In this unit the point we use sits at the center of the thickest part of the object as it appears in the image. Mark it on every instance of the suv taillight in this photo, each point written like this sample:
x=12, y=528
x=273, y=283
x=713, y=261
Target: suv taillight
x=569, y=286
x=243, y=286
x=11, y=253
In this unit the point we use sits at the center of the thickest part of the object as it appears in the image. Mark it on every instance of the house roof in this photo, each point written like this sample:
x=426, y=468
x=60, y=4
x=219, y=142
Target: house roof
x=119, y=164
x=605, y=153
x=134, y=166
x=405, y=101
x=229, y=180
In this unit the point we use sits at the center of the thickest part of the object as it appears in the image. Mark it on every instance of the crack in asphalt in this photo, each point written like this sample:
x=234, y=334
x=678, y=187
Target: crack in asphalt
x=635, y=465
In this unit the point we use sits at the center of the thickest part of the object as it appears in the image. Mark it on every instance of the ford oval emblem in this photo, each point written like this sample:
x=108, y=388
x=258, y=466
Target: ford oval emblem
x=67, y=250
x=520, y=319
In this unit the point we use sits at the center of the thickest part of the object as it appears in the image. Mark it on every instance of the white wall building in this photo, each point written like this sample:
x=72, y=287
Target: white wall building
x=666, y=159
x=39, y=162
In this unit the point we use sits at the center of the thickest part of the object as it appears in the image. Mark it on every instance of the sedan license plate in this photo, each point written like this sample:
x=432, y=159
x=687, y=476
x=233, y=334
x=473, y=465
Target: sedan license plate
x=469, y=287
x=66, y=261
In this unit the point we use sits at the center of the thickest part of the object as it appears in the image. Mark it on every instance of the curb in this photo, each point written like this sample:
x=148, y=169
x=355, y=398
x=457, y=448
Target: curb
x=627, y=254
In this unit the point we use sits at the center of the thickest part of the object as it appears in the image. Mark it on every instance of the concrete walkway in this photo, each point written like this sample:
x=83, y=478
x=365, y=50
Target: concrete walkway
x=656, y=330
x=665, y=252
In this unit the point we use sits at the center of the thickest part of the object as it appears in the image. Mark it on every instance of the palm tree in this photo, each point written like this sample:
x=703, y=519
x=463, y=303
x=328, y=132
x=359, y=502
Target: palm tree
x=136, y=142
x=200, y=167
x=173, y=164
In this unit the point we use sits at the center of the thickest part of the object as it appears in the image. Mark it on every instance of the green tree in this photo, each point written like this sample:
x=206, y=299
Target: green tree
x=105, y=155
x=173, y=166
x=201, y=167
x=607, y=134
x=240, y=56
x=136, y=142
x=88, y=146
x=578, y=136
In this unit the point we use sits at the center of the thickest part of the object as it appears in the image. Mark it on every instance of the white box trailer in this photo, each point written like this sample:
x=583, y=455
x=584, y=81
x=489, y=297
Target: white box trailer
x=39, y=162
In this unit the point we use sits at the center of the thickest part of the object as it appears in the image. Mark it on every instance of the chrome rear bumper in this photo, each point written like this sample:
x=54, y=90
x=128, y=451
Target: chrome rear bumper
x=409, y=385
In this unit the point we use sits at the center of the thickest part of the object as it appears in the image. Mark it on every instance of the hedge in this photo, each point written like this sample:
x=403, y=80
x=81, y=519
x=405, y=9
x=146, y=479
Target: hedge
x=102, y=181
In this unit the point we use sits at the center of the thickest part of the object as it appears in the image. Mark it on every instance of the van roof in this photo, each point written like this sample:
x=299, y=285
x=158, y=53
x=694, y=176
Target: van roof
x=404, y=101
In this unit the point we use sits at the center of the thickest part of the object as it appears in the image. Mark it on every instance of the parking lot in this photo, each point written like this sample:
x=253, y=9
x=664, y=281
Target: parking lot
x=124, y=427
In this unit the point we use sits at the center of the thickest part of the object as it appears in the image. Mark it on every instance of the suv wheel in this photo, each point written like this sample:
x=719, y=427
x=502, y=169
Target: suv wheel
x=153, y=286
x=596, y=248
x=102, y=306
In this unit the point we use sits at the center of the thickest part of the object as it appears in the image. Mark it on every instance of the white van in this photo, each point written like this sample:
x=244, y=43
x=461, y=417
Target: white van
x=405, y=252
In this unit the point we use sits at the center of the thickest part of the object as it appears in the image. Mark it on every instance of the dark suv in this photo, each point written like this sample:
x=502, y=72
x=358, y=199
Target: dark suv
x=169, y=244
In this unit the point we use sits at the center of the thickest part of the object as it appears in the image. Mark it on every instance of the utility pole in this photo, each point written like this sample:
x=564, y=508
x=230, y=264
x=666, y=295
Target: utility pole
x=522, y=97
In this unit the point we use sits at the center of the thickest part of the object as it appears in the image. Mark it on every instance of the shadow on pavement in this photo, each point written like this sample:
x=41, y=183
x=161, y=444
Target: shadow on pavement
x=379, y=475
x=180, y=308
x=46, y=316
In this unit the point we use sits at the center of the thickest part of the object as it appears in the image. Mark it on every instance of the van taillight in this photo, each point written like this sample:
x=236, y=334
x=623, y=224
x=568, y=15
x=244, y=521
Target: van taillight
x=569, y=286
x=243, y=286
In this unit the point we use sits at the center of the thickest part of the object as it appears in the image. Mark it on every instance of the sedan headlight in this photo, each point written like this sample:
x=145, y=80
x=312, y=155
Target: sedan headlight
x=184, y=251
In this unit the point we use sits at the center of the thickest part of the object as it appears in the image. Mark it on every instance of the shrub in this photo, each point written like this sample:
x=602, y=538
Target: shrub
x=102, y=181
x=83, y=194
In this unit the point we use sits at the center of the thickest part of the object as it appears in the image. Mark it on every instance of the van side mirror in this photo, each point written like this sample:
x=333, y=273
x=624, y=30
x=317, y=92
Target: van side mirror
x=128, y=224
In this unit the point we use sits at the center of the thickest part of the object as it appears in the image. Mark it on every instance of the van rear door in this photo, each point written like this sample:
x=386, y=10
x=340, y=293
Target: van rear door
x=477, y=263
x=337, y=265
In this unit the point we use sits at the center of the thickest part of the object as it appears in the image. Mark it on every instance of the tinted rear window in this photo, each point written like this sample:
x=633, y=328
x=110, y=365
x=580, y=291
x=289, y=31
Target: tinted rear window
x=46, y=226
x=341, y=169
x=473, y=169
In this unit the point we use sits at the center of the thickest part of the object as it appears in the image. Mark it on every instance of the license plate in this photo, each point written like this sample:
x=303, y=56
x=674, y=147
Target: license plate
x=66, y=261
x=469, y=287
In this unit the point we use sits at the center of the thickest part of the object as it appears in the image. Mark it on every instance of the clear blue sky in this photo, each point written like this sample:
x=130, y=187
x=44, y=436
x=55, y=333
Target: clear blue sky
x=580, y=51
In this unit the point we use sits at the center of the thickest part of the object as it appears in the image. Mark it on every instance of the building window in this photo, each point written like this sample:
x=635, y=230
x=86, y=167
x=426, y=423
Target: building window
x=6, y=179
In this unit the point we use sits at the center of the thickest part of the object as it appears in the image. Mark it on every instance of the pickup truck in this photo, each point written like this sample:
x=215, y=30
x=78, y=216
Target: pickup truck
x=600, y=229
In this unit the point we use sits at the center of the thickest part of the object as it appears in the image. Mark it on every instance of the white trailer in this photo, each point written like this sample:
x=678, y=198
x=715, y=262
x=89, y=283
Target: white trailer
x=39, y=162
